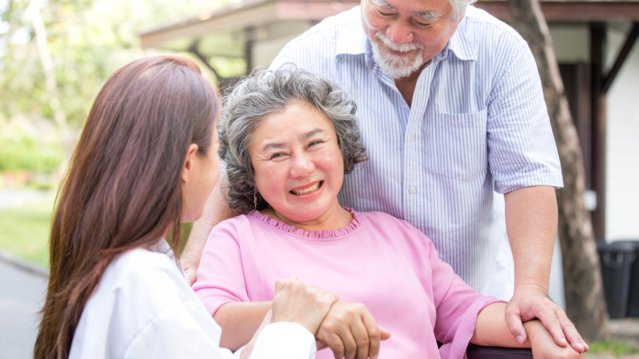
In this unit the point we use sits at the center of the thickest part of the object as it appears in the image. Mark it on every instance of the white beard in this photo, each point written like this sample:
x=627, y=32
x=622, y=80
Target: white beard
x=397, y=67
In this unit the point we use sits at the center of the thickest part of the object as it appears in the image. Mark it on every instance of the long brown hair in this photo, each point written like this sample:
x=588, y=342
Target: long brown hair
x=122, y=188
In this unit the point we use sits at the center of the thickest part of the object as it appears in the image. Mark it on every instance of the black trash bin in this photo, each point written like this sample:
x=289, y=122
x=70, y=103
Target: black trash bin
x=633, y=295
x=616, y=261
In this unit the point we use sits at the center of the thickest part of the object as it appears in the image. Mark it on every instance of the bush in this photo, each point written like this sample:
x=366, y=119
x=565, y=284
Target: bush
x=24, y=152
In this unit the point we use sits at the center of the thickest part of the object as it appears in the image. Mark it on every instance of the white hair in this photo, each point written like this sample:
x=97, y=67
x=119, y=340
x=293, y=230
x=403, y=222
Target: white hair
x=459, y=6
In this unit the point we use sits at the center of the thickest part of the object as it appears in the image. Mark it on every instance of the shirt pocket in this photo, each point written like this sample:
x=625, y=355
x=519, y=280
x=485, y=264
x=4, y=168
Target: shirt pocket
x=456, y=145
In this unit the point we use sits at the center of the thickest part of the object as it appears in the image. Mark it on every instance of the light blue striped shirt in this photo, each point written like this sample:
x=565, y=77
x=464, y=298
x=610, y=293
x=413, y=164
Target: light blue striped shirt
x=477, y=128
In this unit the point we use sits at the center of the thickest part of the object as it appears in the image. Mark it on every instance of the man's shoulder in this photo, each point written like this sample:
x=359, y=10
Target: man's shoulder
x=320, y=42
x=480, y=27
x=329, y=29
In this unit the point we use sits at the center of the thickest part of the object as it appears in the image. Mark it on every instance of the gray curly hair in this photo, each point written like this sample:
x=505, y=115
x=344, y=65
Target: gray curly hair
x=263, y=93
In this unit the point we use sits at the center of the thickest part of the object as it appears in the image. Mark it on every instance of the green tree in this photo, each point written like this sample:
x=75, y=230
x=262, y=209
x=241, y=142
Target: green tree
x=86, y=39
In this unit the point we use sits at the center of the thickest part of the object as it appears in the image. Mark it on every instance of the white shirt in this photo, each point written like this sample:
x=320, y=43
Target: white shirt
x=144, y=308
x=477, y=128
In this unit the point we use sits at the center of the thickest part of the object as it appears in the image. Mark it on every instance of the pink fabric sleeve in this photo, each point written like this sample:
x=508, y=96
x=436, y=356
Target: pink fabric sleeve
x=220, y=276
x=457, y=304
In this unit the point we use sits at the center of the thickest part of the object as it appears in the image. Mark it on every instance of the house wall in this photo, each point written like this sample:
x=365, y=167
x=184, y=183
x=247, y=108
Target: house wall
x=622, y=176
x=571, y=43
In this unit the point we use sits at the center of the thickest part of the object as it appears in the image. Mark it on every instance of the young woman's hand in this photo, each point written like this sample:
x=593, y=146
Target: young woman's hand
x=350, y=331
x=301, y=303
x=543, y=344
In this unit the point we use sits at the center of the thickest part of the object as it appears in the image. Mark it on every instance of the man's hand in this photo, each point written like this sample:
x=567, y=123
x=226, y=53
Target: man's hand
x=190, y=270
x=350, y=331
x=530, y=302
x=216, y=210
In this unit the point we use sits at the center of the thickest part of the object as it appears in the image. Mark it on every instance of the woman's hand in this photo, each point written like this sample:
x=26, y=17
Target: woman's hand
x=301, y=303
x=350, y=331
x=543, y=344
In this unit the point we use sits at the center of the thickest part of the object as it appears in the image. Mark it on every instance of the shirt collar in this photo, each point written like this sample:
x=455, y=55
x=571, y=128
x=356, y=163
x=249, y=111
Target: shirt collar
x=460, y=45
x=353, y=41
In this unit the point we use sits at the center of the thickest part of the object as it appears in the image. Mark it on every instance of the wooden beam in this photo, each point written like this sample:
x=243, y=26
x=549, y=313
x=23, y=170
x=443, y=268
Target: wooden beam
x=621, y=58
x=312, y=10
x=598, y=125
x=571, y=10
x=256, y=13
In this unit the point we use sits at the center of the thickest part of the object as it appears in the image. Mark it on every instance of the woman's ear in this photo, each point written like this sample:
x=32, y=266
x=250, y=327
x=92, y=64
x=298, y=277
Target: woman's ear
x=189, y=162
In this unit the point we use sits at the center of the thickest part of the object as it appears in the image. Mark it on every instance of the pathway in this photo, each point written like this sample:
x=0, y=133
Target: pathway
x=21, y=297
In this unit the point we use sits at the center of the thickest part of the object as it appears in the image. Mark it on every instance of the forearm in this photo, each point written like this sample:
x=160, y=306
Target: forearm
x=239, y=321
x=491, y=329
x=216, y=210
x=531, y=222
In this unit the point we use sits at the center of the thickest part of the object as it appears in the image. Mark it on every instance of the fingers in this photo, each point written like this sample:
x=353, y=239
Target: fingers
x=191, y=274
x=350, y=343
x=351, y=331
x=281, y=283
x=384, y=334
x=571, y=332
x=334, y=342
x=374, y=336
x=549, y=319
x=513, y=320
x=362, y=340
x=301, y=303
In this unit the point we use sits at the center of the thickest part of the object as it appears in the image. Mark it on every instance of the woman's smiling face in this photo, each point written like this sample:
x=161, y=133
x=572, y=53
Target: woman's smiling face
x=297, y=163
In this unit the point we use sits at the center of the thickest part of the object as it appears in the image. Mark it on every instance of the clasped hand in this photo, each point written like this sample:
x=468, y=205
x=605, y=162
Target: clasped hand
x=348, y=329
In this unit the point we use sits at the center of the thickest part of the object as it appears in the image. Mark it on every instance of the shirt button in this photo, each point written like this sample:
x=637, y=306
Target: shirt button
x=412, y=138
x=413, y=190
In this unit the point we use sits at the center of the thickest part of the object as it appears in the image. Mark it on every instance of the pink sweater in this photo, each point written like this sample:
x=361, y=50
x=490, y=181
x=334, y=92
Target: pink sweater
x=378, y=260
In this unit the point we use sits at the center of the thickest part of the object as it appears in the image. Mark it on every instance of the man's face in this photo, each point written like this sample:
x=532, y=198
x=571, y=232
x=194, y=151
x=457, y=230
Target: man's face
x=406, y=34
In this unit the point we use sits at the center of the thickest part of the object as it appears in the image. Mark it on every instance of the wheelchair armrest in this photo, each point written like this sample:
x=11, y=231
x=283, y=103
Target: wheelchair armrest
x=479, y=352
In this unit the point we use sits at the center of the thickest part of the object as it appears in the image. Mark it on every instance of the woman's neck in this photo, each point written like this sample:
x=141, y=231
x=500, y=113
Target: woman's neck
x=334, y=218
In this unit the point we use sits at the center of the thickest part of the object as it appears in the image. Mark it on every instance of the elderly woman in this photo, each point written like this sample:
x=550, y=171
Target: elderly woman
x=288, y=138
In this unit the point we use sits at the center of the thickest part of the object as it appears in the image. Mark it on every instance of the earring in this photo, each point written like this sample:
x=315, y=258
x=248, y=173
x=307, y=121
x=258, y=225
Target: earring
x=255, y=199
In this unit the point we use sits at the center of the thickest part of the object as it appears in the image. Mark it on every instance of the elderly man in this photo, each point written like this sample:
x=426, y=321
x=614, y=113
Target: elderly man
x=452, y=114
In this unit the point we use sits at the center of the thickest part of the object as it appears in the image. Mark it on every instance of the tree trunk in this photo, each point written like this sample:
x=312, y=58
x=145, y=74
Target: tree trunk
x=582, y=277
x=50, y=82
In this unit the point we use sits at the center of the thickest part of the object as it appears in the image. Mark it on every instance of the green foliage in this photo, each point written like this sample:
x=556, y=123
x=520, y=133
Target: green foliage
x=20, y=150
x=615, y=347
x=88, y=40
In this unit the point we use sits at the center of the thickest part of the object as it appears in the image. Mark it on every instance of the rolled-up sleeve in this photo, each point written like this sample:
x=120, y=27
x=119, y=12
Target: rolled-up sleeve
x=522, y=149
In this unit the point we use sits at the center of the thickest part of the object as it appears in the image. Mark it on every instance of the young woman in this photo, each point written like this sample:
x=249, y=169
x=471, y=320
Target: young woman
x=146, y=161
x=288, y=137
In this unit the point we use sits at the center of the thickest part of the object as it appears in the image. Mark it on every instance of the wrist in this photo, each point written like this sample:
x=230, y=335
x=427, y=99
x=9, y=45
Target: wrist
x=534, y=329
x=531, y=285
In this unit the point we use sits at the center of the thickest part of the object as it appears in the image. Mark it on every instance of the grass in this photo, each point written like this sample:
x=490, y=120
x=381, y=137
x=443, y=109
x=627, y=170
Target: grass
x=615, y=347
x=24, y=231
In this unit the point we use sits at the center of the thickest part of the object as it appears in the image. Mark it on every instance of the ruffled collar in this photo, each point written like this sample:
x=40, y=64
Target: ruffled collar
x=329, y=234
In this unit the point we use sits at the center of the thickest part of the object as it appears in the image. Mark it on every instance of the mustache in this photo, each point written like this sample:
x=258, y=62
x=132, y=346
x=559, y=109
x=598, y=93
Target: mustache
x=406, y=47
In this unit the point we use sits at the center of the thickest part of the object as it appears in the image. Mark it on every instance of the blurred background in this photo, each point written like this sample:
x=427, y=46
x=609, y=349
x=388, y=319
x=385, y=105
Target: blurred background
x=55, y=56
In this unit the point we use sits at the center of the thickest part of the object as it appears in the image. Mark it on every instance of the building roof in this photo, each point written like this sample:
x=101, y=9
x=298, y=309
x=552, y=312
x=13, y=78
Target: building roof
x=227, y=30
